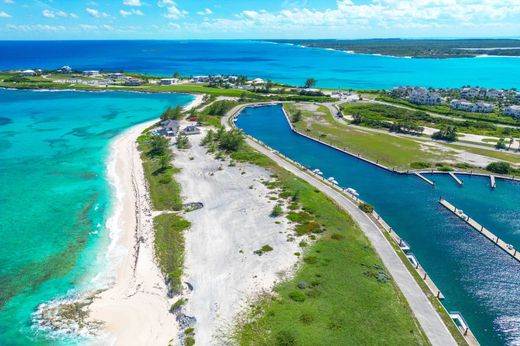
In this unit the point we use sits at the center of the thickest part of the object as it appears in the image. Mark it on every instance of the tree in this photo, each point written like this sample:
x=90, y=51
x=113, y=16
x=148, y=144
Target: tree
x=158, y=146
x=357, y=119
x=501, y=144
x=309, y=83
x=499, y=167
x=297, y=116
x=268, y=85
x=446, y=133
x=165, y=160
x=176, y=74
x=231, y=140
x=172, y=113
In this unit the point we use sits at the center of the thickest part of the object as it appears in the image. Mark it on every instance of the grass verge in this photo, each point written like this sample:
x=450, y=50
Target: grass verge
x=169, y=246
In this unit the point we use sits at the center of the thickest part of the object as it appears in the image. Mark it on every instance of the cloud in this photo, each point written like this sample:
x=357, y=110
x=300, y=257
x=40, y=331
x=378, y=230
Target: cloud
x=54, y=14
x=4, y=14
x=132, y=3
x=96, y=13
x=205, y=12
x=8, y=1
x=124, y=13
x=36, y=27
x=172, y=11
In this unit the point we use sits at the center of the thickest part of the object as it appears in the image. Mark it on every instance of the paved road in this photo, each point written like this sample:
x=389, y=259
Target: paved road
x=433, y=326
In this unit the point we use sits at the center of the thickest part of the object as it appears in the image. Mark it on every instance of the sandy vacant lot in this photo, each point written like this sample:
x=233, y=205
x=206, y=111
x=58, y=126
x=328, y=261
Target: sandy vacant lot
x=220, y=264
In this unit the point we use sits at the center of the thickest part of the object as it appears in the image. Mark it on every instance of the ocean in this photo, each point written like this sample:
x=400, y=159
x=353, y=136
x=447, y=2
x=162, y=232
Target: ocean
x=279, y=62
x=55, y=198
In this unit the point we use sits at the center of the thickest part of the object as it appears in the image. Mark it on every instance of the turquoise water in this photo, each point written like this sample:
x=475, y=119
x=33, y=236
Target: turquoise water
x=477, y=278
x=279, y=62
x=54, y=197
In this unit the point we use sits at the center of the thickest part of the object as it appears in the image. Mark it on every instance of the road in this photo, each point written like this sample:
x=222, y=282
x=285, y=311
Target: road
x=430, y=321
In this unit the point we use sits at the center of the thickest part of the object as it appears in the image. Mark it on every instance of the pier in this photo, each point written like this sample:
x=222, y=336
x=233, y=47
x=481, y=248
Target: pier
x=480, y=229
x=456, y=178
x=424, y=178
x=493, y=182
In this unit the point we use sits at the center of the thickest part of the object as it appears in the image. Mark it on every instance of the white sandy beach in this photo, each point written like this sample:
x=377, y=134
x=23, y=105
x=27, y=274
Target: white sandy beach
x=219, y=262
x=134, y=309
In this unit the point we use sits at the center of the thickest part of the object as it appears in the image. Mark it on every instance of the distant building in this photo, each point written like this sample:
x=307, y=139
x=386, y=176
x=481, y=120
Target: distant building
x=425, y=98
x=170, y=127
x=200, y=79
x=470, y=92
x=65, y=69
x=513, y=111
x=257, y=81
x=91, y=73
x=28, y=73
x=479, y=107
x=131, y=81
x=191, y=130
x=169, y=81
x=116, y=75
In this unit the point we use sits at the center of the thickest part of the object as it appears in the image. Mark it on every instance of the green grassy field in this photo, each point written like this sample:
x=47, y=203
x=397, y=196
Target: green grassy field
x=384, y=148
x=341, y=294
x=389, y=150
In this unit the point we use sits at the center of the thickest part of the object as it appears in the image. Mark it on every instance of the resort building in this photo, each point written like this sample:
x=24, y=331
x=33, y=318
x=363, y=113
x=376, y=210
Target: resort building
x=425, y=98
x=116, y=75
x=170, y=127
x=65, y=69
x=91, y=73
x=479, y=107
x=131, y=81
x=513, y=111
x=169, y=81
x=200, y=79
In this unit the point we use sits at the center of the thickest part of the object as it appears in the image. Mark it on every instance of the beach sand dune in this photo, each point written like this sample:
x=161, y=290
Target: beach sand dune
x=235, y=221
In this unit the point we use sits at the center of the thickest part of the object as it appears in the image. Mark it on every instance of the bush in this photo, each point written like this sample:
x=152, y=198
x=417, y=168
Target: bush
x=445, y=169
x=297, y=296
x=189, y=341
x=420, y=165
x=285, y=338
x=277, y=211
x=446, y=133
x=266, y=248
x=310, y=259
x=499, y=167
x=367, y=208
x=306, y=318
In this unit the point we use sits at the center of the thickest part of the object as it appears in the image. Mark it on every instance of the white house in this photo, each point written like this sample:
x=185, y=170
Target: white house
x=484, y=107
x=425, y=98
x=200, y=79
x=169, y=81
x=479, y=107
x=65, y=69
x=91, y=73
x=513, y=111
x=470, y=92
x=28, y=73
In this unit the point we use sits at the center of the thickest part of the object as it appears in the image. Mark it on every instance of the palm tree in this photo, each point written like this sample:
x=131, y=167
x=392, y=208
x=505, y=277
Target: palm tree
x=309, y=83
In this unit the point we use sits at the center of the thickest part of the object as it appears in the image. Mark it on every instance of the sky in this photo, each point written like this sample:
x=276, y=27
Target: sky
x=253, y=19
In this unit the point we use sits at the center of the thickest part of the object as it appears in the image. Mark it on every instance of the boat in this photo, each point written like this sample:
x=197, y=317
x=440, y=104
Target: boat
x=510, y=247
x=317, y=171
x=352, y=191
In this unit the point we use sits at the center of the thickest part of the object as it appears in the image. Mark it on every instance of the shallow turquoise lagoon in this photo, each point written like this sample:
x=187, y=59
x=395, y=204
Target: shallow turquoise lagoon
x=54, y=197
x=477, y=278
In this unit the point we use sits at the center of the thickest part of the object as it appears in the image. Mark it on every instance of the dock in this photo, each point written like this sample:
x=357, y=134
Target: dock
x=424, y=178
x=482, y=230
x=456, y=178
x=493, y=182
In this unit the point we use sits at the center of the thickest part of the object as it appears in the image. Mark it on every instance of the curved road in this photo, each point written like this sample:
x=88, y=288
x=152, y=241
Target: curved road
x=430, y=321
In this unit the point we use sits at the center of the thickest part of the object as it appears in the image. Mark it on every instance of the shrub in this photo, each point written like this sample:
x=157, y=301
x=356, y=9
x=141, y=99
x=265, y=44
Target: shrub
x=446, y=133
x=306, y=318
x=285, y=338
x=337, y=236
x=499, y=167
x=189, y=330
x=297, y=296
x=367, y=208
x=310, y=259
x=277, y=211
x=266, y=248
x=445, y=169
x=420, y=165
x=189, y=341
x=177, y=305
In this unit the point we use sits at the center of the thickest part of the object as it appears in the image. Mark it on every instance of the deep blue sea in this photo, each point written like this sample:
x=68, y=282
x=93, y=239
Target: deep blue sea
x=477, y=278
x=54, y=195
x=282, y=63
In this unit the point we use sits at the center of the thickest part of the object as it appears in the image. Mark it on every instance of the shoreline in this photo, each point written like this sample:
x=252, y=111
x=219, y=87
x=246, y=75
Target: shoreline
x=134, y=306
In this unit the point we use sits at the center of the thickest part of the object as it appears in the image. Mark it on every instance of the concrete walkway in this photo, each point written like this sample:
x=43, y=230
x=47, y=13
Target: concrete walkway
x=430, y=321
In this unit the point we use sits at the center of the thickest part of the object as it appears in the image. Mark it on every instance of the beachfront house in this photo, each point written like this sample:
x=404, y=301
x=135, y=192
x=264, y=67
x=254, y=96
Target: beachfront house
x=65, y=70
x=200, y=79
x=132, y=81
x=479, y=107
x=191, y=130
x=170, y=127
x=513, y=111
x=91, y=73
x=470, y=92
x=169, y=81
x=28, y=73
x=116, y=75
